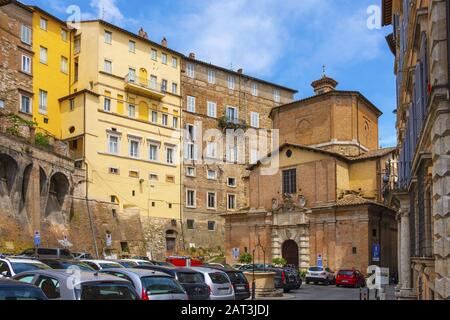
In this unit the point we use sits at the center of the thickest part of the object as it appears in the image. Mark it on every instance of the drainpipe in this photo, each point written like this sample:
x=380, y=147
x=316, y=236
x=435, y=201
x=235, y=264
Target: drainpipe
x=448, y=42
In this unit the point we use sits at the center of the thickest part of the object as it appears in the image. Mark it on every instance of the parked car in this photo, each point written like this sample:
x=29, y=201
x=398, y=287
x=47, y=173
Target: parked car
x=62, y=264
x=352, y=278
x=126, y=264
x=162, y=263
x=219, y=283
x=12, y=290
x=295, y=276
x=184, y=262
x=9, y=267
x=102, y=264
x=192, y=281
x=238, y=280
x=82, y=255
x=48, y=253
x=151, y=285
x=62, y=285
x=139, y=262
x=320, y=275
x=256, y=266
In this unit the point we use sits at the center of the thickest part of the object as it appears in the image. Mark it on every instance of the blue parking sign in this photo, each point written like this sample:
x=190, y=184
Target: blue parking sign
x=376, y=253
x=37, y=239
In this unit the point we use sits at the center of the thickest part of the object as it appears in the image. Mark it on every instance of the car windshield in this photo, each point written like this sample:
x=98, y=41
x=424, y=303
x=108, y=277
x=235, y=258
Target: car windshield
x=21, y=294
x=345, y=273
x=161, y=285
x=82, y=266
x=107, y=291
x=110, y=265
x=128, y=264
x=190, y=277
x=237, y=277
x=316, y=269
x=219, y=278
x=19, y=267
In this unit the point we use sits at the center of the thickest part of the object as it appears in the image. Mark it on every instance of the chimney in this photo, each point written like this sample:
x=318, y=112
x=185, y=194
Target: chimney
x=164, y=42
x=192, y=55
x=142, y=33
x=240, y=71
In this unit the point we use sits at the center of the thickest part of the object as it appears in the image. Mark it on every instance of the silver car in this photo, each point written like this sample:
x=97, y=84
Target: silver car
x=81, y=285
x=151, y=285
x=320, y=275
x=218, y=282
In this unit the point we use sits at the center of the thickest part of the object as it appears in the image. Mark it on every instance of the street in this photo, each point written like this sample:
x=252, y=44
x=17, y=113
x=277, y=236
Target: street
x=321, y=292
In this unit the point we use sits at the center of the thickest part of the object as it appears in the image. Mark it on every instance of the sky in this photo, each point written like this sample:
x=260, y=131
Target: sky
x=282, y=41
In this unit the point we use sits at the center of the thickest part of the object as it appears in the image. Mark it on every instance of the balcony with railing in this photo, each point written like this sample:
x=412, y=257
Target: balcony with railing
x=227, y=122
x=143, y=86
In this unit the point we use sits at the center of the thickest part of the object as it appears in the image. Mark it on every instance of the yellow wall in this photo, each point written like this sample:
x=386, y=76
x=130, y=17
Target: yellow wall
x=49, y=77
x=363, y=175
x=342, y=176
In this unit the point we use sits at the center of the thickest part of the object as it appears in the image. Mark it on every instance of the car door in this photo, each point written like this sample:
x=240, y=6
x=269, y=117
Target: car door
x=50, y=286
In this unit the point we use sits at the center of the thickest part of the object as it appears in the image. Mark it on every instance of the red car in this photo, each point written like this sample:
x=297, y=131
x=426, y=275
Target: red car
x=350, y=278
x=184, y=262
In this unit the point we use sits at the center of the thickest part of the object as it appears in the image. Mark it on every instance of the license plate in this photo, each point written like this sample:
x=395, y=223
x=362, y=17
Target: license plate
x=344, y=281
x=240, y=287
x=223, y=289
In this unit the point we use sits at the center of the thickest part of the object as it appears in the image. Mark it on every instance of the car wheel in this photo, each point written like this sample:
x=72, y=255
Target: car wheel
x=327, y=282
x=307, y=282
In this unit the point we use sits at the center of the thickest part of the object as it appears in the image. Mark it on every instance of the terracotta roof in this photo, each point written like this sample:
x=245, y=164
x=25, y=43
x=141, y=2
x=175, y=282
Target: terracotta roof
x=373, y=154
x=356, y=200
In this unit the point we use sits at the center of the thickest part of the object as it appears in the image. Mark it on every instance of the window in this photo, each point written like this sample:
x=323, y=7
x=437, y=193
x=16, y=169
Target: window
x=153, y=152
x=26, y=64
x=153, y=177
x=191, y=132
x=72, y=104
x=212, y=175
x=64, y=35
x=211, y=150
x=211, y=225
x=254, y=156
x=113, y=144
x=254, y=120
x=190, y=200
x=131, y=75
x=190, y=224
x=25, y=34
x=43, y=24
x=25, y=104
x=2, y=104
x=153, y=82
x=211, y=76
x=170, y=179
x=43, y=55
x=113, y=199
x=133, y=174
x=154, y=116
x=231, y=82
x=77, y=45
x=276, y=95
x=133, y=148
x=232, y=182
x=190, y=104
x=190, y=70
x=174, y=62
x=107, y=67
x=211, y=200
x=164, y=58
x=50, y=287
x=232, y=114
x=132, y=46
x=212, y=109
x=113, y=171
x=107, y=105
x=165, y=119
x=170, y=152
x=164, y=85
x=290, y=181
x=190, y=171
x=191, y=151
x=174, y=88
x=231, y=202
x=232, y=153
x=255, y=89
x=64, y=64
x=75, y=73
x=154, y=54
x=108, y=37
x=43, y=102
x=131, y=111
x=175, y=122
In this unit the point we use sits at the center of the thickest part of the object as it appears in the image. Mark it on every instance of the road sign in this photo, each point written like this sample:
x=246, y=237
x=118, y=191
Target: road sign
x=65, y=242
x=108, y=240
x=37, y=239
x=319, y=260
x=376, y=253
x=236, y=253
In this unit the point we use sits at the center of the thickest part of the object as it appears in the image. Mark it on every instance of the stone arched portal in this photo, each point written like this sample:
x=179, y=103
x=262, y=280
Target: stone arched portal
x=58, y=191
x=290, y=252
x=8, y=172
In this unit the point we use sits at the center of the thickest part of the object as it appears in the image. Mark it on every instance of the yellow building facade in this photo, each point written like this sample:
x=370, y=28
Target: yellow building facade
x=122, y=120
x=51, y=70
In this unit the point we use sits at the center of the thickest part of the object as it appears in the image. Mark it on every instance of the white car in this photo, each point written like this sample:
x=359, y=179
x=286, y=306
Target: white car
x=139, y=262
x=320, y=275
x=219, y=283
x=9, y=267
x=102, y=264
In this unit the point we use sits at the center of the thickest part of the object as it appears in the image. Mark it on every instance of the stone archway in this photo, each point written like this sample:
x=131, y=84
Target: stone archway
x=58, y=191
x=8, y=172
x=290, y=252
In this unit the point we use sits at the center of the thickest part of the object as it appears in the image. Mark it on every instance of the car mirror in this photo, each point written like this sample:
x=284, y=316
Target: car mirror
x=4, y=274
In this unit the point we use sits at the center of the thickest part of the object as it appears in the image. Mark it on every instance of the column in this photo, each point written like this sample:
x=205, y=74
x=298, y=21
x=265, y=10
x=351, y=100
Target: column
x=405, y=273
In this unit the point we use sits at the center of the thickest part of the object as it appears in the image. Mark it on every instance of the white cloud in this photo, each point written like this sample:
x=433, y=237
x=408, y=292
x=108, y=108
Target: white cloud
x=107, y=10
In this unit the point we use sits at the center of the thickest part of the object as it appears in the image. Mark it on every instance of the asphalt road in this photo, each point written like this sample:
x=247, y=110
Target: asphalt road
x=322, y=292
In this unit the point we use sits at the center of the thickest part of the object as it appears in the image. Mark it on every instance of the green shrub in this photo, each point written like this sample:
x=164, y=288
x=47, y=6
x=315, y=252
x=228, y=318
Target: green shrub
x=279, y=262
x=246, y=258
x=42, y=140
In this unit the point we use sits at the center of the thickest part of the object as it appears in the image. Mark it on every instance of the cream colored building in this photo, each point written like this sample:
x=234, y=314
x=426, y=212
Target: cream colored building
x=123, y=122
